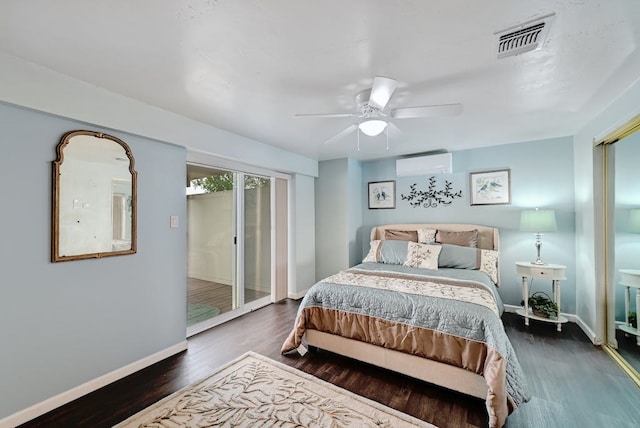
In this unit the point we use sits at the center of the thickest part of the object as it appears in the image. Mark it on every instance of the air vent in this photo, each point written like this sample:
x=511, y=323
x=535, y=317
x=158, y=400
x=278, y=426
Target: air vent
x=524, y=37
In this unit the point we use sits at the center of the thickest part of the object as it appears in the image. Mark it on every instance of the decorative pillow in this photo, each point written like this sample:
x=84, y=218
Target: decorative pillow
x=489, y=264
x=373, y=256
x=422, y=255
x=390, y=252
x=393, y=252
x=455, y=256
x=427, y=236
x=467, y=238
x=401, y=235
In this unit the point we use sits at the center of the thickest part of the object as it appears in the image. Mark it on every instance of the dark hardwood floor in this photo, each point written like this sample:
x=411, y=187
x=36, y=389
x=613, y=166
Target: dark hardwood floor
x=573, y=383
x=216, y=294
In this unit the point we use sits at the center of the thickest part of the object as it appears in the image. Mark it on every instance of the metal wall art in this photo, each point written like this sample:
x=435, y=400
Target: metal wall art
x=431, y=197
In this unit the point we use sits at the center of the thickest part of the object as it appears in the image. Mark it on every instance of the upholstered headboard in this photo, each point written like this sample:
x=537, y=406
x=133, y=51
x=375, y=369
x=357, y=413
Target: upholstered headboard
x=488, y=237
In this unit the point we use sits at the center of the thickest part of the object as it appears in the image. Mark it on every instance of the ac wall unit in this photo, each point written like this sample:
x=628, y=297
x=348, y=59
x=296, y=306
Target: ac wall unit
x=425, y=165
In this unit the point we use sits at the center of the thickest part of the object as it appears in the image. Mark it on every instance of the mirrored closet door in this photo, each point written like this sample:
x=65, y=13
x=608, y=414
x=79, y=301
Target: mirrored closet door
x=622, y=235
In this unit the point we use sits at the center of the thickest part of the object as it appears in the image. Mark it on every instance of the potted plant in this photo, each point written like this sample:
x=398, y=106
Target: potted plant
x=633, y=319
x=541, y=305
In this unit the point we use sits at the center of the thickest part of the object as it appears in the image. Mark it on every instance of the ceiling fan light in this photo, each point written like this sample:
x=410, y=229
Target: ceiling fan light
x=372, y=127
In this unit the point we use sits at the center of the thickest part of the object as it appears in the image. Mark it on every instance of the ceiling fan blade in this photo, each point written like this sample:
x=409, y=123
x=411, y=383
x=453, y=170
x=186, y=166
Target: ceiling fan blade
x=324, y=115
x=427, y=111
x=342, y=133
x=381, y=91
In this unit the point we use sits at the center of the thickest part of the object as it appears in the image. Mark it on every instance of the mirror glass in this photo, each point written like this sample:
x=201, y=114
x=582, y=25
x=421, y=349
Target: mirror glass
x=626, y=247
x=94, y=202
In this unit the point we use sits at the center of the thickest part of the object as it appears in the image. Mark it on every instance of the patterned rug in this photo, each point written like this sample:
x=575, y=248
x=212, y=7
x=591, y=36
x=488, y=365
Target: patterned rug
x=255, y=391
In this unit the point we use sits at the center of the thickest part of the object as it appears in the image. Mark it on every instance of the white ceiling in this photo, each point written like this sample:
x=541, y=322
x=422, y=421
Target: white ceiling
x=247, y=66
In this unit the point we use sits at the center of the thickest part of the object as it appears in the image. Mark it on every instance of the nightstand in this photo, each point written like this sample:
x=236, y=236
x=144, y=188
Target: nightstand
x=554, y=273
x=630, y=278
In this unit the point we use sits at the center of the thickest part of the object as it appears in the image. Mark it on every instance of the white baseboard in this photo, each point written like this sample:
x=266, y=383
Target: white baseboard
x=587, y=330
x=298, y=295
x=56, y=401
x=511, y=308
x=571, y=318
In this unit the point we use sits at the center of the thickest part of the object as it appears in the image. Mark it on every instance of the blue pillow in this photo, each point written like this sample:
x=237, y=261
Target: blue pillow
x=459, y=257
x=393, y=252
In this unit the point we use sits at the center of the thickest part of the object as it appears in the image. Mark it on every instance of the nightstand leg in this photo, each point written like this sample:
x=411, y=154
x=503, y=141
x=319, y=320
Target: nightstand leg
x=556, y=298
x=627, y=304
x=637, y=310
x=525, y=297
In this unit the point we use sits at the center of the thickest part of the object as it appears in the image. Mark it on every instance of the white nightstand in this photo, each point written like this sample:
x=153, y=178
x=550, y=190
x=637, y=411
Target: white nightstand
x=555, y=273
x=630, y=278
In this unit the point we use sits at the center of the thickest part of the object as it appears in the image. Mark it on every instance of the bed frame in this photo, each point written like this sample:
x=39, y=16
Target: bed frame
x=434, y=372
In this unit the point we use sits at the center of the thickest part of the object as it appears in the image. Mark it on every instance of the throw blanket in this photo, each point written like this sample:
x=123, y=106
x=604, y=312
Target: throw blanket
x=450, y=320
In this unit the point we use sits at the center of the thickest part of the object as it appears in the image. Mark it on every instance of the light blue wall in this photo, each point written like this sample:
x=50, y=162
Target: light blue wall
x=541, y=176
x=332, y=227
x=304, y=235
x=338, y=215
x=355, y=190
x=63, y=324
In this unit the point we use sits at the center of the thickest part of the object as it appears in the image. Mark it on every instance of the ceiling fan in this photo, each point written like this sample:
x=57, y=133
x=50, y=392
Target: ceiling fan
x=373, y=116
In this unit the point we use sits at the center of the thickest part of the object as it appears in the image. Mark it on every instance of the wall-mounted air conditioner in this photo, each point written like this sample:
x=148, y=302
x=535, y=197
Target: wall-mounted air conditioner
x=425, y=165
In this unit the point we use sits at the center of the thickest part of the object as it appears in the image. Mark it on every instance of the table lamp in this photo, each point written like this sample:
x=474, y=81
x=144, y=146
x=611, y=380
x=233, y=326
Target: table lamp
x=538, y=221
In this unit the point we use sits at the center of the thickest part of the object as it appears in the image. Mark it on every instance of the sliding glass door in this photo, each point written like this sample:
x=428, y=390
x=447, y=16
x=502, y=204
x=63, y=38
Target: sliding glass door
x=228, y=245
x=257, y=238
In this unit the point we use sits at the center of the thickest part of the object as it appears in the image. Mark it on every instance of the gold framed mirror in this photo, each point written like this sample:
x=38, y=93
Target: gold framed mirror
x=94, y=197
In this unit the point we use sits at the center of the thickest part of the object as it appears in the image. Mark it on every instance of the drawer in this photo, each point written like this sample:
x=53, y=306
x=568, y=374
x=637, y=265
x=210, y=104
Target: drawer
x=542, y=271
x=552, y=272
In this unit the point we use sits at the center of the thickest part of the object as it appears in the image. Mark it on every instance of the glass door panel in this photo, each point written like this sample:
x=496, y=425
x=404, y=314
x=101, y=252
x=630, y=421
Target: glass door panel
x=229, y=245
x=211, y=229
x=257, y=238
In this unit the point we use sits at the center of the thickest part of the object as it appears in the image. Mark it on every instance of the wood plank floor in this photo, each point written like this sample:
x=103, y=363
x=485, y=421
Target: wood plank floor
x=573, y=383
x=216, y=294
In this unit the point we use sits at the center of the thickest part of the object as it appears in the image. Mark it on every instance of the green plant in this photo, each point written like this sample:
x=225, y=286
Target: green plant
x=224, y=181
x=633, y=319
x=542, y=305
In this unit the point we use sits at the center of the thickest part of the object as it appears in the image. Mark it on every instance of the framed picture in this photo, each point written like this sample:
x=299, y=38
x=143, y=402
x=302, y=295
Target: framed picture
x=490, y=187
x=382, y=194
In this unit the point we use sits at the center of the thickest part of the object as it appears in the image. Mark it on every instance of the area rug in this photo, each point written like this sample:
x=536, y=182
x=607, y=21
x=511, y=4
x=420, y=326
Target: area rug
x=255, y=391
x=198, y=312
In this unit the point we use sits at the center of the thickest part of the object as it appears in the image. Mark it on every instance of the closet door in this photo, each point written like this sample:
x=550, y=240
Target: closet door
x=622, y=243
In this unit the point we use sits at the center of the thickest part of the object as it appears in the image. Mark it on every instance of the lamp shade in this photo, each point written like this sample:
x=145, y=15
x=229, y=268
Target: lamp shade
x=372, y=127
x=634, y=220
x=538, y=221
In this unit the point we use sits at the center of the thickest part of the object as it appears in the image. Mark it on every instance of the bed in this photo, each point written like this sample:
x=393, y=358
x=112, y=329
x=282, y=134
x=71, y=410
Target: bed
x=424, y=303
